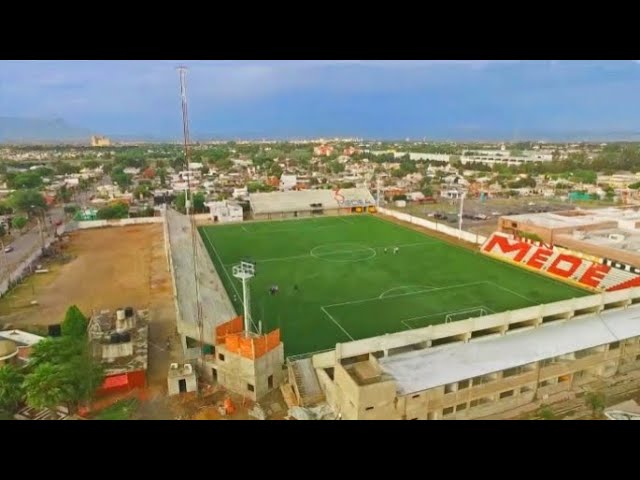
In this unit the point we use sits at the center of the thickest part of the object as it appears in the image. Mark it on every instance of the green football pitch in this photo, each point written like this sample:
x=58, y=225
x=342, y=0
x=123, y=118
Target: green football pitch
x=339, y=279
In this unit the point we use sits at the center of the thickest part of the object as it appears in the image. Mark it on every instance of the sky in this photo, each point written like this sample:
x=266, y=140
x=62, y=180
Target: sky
x=433, y=99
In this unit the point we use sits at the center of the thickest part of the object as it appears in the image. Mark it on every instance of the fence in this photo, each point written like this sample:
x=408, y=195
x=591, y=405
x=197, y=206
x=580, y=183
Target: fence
x=438, y=227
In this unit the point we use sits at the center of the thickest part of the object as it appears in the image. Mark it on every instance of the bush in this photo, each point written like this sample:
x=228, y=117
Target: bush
x=70, y=209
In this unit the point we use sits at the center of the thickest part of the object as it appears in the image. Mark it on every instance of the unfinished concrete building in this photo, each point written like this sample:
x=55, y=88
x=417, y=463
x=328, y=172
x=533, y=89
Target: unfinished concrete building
x=213, y=336
x=249, y=364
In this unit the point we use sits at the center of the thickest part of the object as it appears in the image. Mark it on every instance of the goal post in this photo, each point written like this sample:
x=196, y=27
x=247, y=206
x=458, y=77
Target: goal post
x=464, y=314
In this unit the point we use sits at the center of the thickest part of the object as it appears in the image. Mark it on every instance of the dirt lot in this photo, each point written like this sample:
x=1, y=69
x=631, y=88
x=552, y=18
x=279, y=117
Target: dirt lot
x=110, y=268
x=104, y=269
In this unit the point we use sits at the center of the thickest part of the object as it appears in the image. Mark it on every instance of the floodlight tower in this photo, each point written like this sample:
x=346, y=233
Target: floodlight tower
x=460, y=214
x=245, y=271
x=182, y=70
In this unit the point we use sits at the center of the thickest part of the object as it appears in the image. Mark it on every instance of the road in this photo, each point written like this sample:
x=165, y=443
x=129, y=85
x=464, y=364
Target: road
x=26, y=243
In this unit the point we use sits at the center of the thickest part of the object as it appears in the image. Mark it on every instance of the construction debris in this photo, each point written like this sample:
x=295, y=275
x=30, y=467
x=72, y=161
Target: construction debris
x=321, y=412
x=258, y=412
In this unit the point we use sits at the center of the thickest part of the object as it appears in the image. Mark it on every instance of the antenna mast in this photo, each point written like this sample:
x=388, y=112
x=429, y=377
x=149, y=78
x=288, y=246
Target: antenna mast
x=196, y=271
x=182, y=70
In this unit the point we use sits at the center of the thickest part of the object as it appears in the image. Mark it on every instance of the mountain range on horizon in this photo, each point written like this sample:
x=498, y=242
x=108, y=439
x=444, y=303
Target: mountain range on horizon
x=16, y=130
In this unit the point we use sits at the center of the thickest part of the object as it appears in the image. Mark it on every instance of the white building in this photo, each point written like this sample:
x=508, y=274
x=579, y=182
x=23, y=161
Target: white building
x=288, y=182
x=225, y=212
x=240, y=192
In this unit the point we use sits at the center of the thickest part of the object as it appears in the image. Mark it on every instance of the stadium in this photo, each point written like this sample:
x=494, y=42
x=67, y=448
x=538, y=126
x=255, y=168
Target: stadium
x=372, y=311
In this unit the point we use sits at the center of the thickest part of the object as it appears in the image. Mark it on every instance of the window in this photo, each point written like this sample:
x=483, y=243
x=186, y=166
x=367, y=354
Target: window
x=449, y=388
x=191, y=343
x=413, y=418
x=614, y=345
x=250, y=387
x=510, y=372
x=416, y=396
x=463, y=384
x=447, y=411
x=369, y=408
x=637, y=358
x=507, y=394
x=221, y=357
x=270, y=382
x=526, y=389
x=462, y=406
x=473, y=403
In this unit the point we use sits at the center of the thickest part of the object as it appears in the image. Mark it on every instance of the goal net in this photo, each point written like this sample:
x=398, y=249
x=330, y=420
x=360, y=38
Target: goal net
x=464, y=314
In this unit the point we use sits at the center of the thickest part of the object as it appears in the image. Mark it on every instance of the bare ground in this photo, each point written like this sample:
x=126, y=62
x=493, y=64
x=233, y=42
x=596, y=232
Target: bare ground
x=109, y=268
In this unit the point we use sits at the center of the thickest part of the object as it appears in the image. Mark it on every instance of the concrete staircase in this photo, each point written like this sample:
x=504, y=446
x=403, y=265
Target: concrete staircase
x=303, y=377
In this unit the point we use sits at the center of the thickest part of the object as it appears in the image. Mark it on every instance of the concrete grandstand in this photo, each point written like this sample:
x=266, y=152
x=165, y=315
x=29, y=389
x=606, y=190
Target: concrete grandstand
x=309, y=202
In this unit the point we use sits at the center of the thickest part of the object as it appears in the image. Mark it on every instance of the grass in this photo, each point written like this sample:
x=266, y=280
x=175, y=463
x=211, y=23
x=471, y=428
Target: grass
x=121, y=410
x=349, y=288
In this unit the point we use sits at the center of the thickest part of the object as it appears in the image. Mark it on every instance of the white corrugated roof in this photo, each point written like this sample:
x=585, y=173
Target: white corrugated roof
x=424, y=369
x=274, y=202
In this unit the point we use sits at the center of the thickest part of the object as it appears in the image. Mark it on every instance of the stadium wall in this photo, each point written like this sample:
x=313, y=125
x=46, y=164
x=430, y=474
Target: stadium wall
x=123, y=222
x=438, y=227
x=300, y=214
x=559, y=264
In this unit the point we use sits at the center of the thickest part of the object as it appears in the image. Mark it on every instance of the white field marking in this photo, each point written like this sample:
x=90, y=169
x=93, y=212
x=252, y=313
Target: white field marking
x=428, y=287
x=301, y=229
x=334, y=321
x=345, y=221
x=364, y=300
x=511, y=291
x=466, y=310
x=293, y=257
x=364, y=248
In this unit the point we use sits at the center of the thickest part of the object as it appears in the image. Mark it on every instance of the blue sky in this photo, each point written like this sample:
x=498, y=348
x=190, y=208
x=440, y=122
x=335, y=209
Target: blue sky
x=391, y=99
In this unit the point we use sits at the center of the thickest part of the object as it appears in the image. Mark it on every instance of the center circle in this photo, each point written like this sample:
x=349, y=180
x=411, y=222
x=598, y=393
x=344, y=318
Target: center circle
x=343, y=252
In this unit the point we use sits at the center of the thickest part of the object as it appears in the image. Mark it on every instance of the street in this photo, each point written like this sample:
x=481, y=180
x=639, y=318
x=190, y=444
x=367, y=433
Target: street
x=25, y=244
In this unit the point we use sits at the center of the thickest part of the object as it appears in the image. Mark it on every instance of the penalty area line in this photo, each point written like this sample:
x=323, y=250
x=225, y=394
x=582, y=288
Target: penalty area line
x=336, y=322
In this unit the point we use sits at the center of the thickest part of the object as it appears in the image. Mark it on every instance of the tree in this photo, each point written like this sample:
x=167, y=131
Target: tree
x=28, y=201
x=596, y=402
x=198, y=202
x=64, y=372
x=275, y=170
x=162, y=175
x=117, y=210
x=55, y=350
x=19, y=223
x=25, y=180
x=46, y=386
x=427, y=189
x=64, y=194
x=75, y=323
x=3, y=230
x=11, y=387
x=123, y=180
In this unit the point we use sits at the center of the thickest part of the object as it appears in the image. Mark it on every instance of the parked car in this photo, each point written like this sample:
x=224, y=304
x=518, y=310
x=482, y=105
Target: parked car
x=8, y=249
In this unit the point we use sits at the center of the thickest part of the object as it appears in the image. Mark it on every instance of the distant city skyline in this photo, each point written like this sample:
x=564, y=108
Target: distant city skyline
x=433, y=99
